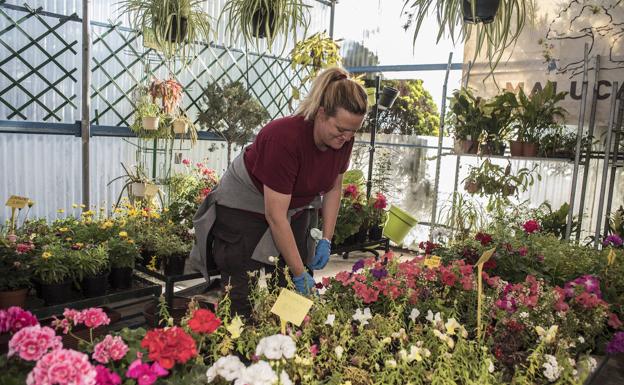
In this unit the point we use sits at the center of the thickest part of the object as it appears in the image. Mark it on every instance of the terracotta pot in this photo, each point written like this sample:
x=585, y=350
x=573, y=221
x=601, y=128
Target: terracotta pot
x=516, y=147
x=466, y=146
x=493, y=148
x=13, y=298
x=530, y=149
x=471, y=187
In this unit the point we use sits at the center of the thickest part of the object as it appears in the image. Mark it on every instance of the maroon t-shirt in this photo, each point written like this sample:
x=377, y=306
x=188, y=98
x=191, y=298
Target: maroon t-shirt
x=284, y=158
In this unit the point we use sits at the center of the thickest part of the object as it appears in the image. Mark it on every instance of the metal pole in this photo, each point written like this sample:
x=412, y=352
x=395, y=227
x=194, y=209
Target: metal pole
x=577, y=155
x=332, y=18
x=605, y=166
x=86, y=102
x=616, y=140
x=434, y=206
x=371, y=150
x=590, y=133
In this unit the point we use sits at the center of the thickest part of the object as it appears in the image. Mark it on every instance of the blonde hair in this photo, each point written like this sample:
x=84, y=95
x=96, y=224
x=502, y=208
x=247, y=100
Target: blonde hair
x=332, y=89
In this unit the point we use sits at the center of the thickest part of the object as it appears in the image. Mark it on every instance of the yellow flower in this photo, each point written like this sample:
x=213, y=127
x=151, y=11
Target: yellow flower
x=130, y=241
x=60, y=211
x=82, y=206
x=64, y=229
x=31, y=203
x=123, y=234
x=155, y=215
x=106, y=225
x=80, y=244
x=235, y=327
x=46, y=255
x=74, y=205
x=68, y=239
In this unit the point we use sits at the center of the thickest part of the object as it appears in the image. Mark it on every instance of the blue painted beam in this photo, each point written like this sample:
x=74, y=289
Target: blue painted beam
x=405, y=67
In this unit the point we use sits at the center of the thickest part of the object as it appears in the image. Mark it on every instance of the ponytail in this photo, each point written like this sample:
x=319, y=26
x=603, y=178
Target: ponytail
x=332, y=89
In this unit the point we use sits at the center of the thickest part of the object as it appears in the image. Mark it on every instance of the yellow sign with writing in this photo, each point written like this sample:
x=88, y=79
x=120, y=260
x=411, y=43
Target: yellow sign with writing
x=486, y=256
x=291, y=307
x=433, y=261
x=17, y=202
x=611, y=257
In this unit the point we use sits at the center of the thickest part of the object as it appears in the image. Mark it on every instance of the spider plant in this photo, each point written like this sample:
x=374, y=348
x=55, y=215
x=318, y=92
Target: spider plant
x=176, y=26
x=257, y=19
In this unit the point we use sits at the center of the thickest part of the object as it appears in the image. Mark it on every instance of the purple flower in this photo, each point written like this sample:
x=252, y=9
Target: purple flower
x=508, y=304
x=616, y=345
x=379, y=273
x=357, y=265
x=613, y=240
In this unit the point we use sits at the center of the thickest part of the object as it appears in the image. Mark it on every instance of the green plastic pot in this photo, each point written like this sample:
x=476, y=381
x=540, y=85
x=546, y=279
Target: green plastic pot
x=399, y=224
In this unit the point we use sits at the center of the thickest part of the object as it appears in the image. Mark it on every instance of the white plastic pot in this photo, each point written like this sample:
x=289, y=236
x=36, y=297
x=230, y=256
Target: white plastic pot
x=180, y=126
x=150, y=123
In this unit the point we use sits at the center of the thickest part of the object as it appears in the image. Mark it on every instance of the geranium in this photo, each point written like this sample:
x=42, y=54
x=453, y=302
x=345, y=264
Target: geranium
x=351, y=190
x=613, y=240
x=616, y=345
x=32, y=342
x=15, y=318
x=105, y=377
x=229, y=367
x=484, y=238
x=144, y=373
x=531, y=226
x=276, y=346
x=111, y=348
x=94, y=317
x=428, y=247
x=63, y=367
x=169, y=346
x=204, y=321
x=380, y=202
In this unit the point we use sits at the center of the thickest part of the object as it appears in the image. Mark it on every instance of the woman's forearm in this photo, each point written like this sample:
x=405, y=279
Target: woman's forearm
x=286, y=244
x=331, y=205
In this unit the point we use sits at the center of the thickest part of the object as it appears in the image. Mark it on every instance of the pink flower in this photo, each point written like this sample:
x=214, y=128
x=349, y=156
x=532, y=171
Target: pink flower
x=106, y=377
x=17, y=319
x=73, y=316
x=380, y=202
x=314, y=350
x=144, y=373
x=32, y=342
x=531, y=226
x=63, y=367
x=22, y=248
x=351, y=191
x=523, y=251
x=614, y=321
x=186, y=162
x=110, y=348
x=5, y=322
x=94, y=317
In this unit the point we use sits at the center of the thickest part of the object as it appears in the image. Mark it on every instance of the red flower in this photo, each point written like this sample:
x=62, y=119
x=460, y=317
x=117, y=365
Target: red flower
x=351, y=191
x=380, y=202
x=204, y=321
x=169, y=346
x=614, y=321
x=448, y=278
x=531, y=226
x=484, y=238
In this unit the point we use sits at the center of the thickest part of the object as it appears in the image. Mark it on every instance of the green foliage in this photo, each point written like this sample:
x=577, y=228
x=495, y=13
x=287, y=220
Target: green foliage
x=538, y=113
x=122, y=251
x=55, y=265
x=555, y=222
x=231, y=112
x=413, y=113
x=616, y=222
x=467, y=114
x=187, y=190
x=90, y=262
x=15, y=267
x=171, y=245
x=315, y=53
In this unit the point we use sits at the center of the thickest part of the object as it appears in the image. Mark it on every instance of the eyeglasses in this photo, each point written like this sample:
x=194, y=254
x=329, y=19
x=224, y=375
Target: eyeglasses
x=345, y=130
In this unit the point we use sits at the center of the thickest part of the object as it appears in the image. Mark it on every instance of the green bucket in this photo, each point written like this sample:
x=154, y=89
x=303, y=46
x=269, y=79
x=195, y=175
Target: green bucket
x=398, y=225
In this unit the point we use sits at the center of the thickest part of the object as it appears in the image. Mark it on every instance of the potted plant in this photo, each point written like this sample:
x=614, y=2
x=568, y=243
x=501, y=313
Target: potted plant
x=536, y=114
x=258, y=19
x=123, y=253
x=148, y=114
x=92, y=268
x=175, y=26
x=377, y=215
x=15, y=272
x=492, y=34
x=169, y=91
x=182, y=125
x=466, y=119
x=53, y=272
x=314, y=53
x=136, y=182
x=173, y=252
x=232, y=113
x=496, y=123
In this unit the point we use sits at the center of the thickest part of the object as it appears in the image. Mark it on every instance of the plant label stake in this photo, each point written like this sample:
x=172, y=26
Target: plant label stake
x=484, y=258
x=16, y=203
x=291, y=307
x=432, y=262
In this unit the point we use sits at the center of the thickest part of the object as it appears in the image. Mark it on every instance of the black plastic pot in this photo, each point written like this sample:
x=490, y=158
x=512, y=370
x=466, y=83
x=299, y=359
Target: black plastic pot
x=387, y=97
x=95, y=286
x=360, y=236
x=55, y=293
x=485, y=11
x=259, y=23
x=174, y=265
x=375, y=233
x=175, y=35
x=121, y=277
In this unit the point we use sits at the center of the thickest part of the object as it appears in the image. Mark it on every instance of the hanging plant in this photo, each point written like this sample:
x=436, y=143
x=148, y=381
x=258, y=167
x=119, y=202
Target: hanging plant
x=315, y=53
x=496, y=24
x=173, y=26
x=265, y=19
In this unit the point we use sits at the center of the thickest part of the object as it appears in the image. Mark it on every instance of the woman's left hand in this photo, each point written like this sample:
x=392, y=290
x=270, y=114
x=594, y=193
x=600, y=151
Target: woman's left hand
x=321, y=256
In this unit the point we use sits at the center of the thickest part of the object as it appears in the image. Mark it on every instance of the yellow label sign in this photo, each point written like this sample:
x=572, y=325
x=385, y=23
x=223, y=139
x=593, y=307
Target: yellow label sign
x=291, y=307
x=611, y=257
x=17, y=202
x=486, y=256
x=433, y=261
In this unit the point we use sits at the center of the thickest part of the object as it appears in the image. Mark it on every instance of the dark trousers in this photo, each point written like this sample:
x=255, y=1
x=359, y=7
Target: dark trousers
x=235, y=236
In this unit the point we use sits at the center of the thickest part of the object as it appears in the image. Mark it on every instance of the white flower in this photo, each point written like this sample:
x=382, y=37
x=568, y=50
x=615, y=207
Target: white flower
x=429, y=316
x=276, y=346
x=259, y=373
x=391, y=364
x=272, y=259
x=414, y=314
x=284, y=378
x=362, y=317
x=451, y=325
x=415, y=354
x=524, y=315
x=591, y=364
x=448, y=340
x=552, y=371
x=191, y=231
x=330, y=319
x=229, y=367
x=581, y=339
x=339, y=350
x=490, y=366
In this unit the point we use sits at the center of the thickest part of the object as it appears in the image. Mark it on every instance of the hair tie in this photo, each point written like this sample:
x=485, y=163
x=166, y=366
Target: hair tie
x=340, y=77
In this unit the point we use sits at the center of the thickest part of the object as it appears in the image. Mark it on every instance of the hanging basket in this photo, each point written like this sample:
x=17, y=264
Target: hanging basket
x=180, y=126
x=259, y=23
x=150, y=123
x=485, y=11
x=399, y=224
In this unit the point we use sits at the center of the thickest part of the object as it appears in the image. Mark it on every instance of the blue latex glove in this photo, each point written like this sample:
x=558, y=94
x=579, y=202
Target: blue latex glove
x=321, y=256
x=304, y=283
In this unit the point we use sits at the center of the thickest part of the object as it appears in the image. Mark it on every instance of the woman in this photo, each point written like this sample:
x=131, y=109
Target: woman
x=261, y=208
